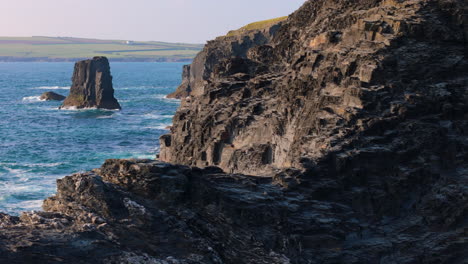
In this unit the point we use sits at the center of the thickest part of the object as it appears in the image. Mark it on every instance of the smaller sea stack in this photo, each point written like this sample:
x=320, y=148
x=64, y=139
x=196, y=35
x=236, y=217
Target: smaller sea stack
x=51, y=96
x=91, y=86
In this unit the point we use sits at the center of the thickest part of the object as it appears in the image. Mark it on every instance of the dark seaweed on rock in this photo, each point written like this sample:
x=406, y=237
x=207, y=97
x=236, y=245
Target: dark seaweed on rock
x=350, y=115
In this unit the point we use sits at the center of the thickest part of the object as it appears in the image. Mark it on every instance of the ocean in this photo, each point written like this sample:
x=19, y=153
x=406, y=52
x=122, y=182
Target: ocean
x=40, y=143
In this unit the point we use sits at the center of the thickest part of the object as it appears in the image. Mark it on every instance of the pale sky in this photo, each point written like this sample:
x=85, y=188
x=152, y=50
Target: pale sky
x=192, y=21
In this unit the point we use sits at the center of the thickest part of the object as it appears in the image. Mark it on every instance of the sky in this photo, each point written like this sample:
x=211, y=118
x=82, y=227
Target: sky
x=189, y=21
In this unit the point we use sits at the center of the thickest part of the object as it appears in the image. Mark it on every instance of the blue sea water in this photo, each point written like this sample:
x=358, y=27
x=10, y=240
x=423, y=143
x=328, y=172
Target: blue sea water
x=40, y=143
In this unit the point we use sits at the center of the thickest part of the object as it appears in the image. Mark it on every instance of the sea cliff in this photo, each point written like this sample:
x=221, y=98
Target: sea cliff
x=338, y=135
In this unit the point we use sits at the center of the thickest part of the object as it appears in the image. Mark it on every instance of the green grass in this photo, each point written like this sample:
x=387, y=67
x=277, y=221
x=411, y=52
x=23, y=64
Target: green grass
x=256, y=26
x=57, y=48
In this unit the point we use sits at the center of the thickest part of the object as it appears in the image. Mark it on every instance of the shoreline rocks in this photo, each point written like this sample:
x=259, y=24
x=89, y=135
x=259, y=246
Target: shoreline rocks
x=51, y=96
x=92, y=86
x=342, y=139
x=146, y=211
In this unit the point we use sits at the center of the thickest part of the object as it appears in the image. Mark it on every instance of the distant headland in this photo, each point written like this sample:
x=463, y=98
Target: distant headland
x=56, y=49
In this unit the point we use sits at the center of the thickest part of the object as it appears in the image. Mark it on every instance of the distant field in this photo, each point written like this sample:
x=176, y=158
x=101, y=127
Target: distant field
x=65, y=48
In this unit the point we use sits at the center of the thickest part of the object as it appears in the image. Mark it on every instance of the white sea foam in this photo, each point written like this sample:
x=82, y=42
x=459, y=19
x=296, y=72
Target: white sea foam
x=164, y=97
x=7, y=165
x=157, y=116
x=51, y=88
x=30, y=205
x=43, y=165
x=32, y=99
x=18, y=188
x=141, y=87
x=16, y=172
x=160, y=127
x=160, y=96
x=105, y=117
x=74, y=108
x=145, y=156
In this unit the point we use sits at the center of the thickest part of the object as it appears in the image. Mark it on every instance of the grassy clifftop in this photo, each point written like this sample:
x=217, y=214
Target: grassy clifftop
x=256, y=26
x=66, y=48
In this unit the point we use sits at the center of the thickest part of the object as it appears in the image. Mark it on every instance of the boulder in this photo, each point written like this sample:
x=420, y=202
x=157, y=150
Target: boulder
x=92, y=86
x=51, y=96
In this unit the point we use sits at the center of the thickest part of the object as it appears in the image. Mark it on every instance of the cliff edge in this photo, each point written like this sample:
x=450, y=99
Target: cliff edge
x=235, y=44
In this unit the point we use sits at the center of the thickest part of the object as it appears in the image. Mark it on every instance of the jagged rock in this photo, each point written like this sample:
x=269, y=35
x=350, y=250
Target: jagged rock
x=143, y=211
x=333, y=72
x=92, y=86
x=51, y=96
x=353, y=117
x=196, y=75
x=184, y=89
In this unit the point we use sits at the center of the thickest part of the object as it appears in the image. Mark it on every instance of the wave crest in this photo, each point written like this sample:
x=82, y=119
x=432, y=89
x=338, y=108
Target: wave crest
x=32, y=99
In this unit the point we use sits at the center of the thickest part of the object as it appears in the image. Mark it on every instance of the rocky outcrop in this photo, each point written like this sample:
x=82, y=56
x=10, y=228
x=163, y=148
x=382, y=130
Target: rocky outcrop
x=197, y=75
x=184, y=89
x=92, y=86
x=51, y=96
x=337, y=78
x=142, y=211
x=351, y=119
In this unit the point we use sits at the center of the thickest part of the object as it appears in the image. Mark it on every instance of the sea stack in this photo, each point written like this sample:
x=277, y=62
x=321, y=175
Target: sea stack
x=91, y=86
x=51, y=96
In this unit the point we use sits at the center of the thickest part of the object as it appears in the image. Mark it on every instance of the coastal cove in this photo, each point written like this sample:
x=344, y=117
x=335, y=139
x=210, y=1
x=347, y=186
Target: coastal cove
x=40, y=143
x=338, y=134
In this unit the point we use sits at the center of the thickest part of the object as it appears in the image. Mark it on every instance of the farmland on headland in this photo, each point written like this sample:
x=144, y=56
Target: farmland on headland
x=70, y=49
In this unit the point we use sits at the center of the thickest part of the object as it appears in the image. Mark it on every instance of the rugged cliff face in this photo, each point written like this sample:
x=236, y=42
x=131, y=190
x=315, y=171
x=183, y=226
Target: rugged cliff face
x=197, y=75
x=333, y=72
x=353, y=118
x=92, y=86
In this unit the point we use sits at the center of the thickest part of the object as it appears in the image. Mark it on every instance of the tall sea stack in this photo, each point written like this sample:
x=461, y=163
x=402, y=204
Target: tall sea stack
x=92, y=86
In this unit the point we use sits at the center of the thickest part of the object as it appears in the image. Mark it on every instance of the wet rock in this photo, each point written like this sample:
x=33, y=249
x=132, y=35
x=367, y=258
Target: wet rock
x=92, y=86
x=51, y=96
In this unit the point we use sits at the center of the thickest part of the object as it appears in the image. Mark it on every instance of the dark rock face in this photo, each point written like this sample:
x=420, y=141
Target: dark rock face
x=197, y=75
x=336, y=77
x=353, y=116
x=142, y=211
x=51, y=96
x=92, y=86
x=184, y=89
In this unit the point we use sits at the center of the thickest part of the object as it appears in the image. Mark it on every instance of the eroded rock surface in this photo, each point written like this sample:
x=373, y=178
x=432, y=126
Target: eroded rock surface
x=92, y=86
x=336, y=76
x=51, y=96
x=143, y=211
x=353, y=119
x=197, y=75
